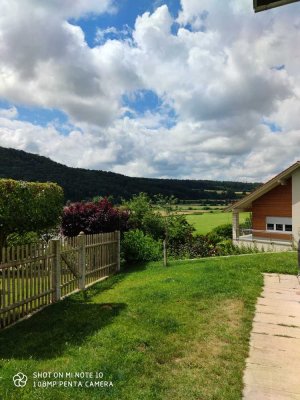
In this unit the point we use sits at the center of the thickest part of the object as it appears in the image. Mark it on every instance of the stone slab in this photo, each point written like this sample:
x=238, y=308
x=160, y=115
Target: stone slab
x=273, y=367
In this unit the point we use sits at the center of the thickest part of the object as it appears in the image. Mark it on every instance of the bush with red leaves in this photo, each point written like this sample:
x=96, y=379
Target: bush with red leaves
x=92, y=217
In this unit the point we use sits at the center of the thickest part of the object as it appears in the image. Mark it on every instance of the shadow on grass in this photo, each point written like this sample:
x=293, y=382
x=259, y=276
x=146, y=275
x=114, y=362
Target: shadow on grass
x=134, y=267
x=50, y=332
x=109, y=283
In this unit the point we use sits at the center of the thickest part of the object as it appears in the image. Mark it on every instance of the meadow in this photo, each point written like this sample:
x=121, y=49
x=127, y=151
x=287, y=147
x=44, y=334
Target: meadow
x=204, y=223
x=176, y=333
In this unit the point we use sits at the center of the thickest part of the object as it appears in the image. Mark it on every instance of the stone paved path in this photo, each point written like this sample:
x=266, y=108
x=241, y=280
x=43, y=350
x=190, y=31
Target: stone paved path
x=273, y=367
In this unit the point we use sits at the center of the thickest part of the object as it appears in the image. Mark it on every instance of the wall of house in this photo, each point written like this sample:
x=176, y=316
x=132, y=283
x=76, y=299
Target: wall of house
x=296, y=205
x=276, y=203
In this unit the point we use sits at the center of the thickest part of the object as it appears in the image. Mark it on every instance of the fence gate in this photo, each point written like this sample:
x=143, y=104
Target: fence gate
x=37, y=275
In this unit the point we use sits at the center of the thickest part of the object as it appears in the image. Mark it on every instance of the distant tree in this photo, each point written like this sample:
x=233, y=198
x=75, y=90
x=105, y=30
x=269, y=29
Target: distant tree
x=28, y=207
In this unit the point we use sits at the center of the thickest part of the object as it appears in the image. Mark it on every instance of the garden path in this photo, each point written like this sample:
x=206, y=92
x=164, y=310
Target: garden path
x=273, y=366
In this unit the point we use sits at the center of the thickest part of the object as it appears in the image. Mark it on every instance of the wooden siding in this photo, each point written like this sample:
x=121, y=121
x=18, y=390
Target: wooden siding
x=276, y=203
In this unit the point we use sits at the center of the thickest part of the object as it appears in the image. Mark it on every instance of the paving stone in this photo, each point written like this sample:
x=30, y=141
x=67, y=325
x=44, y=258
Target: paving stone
x=273, y=367
x=276, y=330
x=277, y=319
x=261, y=393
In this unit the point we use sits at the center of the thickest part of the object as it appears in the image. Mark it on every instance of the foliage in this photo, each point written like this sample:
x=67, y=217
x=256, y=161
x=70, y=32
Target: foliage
x=144, y=216
x=247, y=223
x=166, y=205
x=139, y=247
x=197, y=247
x=91, y=218
x=156, y=221
x=179, y=230
x=28, y=207
x=162, y=224
x=224, y=231
x=16, y=239
x=227, y=248
x=218, y=242
x=80, y=184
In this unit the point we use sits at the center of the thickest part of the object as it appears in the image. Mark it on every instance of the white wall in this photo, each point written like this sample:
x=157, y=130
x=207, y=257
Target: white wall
x=296, y=205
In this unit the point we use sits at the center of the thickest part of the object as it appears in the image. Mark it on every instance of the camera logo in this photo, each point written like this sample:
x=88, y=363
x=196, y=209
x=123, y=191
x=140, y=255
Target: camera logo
x=20, y=379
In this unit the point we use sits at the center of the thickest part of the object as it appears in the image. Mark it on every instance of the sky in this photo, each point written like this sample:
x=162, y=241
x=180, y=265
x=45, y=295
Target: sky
x=191, y=89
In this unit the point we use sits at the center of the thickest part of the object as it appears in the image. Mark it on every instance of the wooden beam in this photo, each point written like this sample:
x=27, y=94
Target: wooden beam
x=260, y=6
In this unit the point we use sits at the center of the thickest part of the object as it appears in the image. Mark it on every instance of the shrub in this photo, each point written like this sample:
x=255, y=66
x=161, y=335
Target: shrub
x=28, y=207
x=179, y=230
x=139, y=247
x=224, y=231
x=143, y=216
x=197, y=247
x=153, y=225
x=16, y=239
x=227, y=248
x=92, y=217
x=247, y=224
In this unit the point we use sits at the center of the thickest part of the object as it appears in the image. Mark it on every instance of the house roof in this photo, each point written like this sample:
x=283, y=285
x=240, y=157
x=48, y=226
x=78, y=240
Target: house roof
x=246, y=202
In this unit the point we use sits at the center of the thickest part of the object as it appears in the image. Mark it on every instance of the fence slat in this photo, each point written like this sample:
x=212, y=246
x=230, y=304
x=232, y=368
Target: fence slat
x=36, y=275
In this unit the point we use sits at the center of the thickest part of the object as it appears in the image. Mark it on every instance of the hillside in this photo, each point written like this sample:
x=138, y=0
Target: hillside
x=82, y=184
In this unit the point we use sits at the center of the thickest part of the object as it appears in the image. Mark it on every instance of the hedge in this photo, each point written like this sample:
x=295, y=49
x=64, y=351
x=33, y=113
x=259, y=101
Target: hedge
x=28, y=206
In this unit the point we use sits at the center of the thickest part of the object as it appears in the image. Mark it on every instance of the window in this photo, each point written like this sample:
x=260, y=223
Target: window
x=279, y=224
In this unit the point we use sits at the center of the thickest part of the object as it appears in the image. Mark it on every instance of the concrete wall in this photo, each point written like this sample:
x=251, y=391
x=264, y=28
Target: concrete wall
x=296, y=205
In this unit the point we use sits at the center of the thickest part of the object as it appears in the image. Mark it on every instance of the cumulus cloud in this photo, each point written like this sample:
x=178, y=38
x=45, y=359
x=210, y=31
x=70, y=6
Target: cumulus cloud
x=215, y=67
x=9, y=113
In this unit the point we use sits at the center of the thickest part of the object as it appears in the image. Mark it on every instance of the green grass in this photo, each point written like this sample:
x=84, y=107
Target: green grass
x=157, y=333
x=206, y=222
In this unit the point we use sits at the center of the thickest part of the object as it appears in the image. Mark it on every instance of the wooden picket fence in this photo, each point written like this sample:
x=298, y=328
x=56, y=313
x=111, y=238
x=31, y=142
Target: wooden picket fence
x=37, y=275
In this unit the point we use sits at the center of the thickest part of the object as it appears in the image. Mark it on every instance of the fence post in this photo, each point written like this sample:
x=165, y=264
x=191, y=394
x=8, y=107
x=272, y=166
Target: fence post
x=165, y=253
x=82, y=268
x=118, y=251
x=56, y=276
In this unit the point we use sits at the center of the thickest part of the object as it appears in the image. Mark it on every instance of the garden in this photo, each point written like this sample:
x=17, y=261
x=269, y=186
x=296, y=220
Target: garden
x=30, y=212
x=156, y=333
x=151, y=332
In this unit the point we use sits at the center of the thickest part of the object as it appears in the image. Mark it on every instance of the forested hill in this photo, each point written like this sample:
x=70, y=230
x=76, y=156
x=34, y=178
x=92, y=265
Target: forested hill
x=81, y=184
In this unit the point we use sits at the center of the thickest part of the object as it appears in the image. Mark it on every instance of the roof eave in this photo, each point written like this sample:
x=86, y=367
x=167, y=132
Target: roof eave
x=247, y=201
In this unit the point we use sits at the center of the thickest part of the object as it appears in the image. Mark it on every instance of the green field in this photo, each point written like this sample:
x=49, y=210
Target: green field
x=176, y=333
x=207, y=221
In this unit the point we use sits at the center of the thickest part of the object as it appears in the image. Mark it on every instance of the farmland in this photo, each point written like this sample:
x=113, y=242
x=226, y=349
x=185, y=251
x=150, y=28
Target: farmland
x=204, y=223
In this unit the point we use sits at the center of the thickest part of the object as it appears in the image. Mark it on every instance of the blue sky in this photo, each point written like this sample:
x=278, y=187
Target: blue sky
x=126, y=14
x=168, y=88
x=123, y=18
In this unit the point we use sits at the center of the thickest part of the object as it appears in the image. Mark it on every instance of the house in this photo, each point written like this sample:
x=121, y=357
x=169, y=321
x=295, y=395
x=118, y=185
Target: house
x=275, y=208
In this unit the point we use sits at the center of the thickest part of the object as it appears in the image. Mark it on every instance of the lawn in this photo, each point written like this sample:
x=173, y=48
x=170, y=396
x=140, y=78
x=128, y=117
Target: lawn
x=206, y=222
x=157, y=333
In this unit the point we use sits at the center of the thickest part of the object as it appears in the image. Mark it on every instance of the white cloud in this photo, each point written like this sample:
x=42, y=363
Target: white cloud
x=10, y=113
x=217, y=73
x=103, y=34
